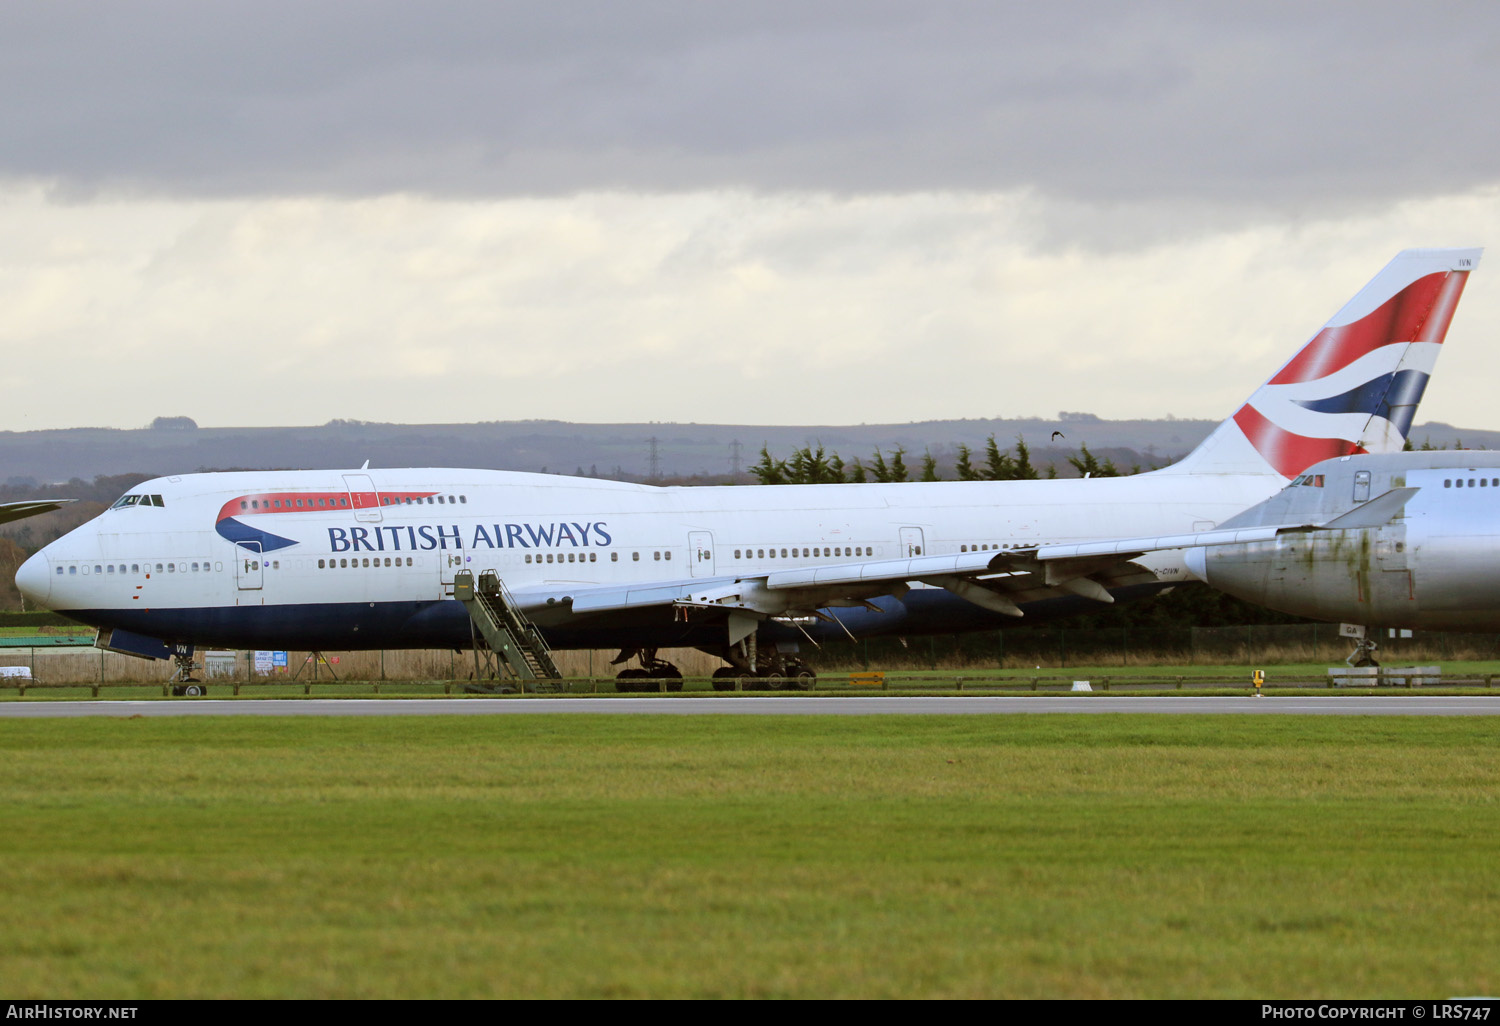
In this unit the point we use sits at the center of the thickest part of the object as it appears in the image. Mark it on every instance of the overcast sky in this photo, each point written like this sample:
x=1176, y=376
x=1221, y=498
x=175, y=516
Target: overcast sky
x=811, y=212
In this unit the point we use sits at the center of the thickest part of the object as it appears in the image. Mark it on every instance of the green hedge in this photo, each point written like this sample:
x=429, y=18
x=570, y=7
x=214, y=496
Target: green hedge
x=39, y=618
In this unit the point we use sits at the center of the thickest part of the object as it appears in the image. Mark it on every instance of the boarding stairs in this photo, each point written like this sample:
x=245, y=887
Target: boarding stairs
x=518, y=647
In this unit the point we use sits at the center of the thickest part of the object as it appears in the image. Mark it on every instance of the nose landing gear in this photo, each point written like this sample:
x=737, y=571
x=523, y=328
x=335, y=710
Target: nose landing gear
x=187, y=685
x=1364, y=647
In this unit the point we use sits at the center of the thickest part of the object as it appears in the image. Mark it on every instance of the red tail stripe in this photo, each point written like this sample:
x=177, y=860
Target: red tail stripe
x=1290, y=454
x=1418, y=313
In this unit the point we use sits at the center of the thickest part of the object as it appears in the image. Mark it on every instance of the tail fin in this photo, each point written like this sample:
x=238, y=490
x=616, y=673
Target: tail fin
x=1355, y=386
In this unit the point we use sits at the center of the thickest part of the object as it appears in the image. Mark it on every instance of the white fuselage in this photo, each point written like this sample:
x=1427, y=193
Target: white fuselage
x=366, y=558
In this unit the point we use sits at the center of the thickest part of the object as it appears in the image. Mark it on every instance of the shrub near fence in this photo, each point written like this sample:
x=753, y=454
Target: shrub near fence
x=1014, y=649
x=1030, y=647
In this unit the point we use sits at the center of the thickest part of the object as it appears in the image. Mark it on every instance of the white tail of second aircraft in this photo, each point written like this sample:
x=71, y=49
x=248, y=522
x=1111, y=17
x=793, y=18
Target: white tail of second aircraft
x=1355, y=386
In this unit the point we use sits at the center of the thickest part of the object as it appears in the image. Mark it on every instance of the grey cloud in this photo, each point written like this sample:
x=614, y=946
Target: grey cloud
x=1282, y=106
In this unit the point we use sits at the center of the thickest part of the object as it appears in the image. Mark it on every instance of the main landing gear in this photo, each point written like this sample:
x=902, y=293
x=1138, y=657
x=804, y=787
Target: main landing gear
x=649, y=675
x=791, y=676
x=187, y=686
x=751, y=668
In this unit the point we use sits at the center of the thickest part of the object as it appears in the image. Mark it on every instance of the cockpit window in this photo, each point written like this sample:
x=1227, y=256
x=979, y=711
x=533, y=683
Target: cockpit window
x=137, y=500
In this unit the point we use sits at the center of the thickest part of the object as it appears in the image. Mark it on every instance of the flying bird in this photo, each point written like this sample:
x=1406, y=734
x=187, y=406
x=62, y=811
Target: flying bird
x=1056, y=435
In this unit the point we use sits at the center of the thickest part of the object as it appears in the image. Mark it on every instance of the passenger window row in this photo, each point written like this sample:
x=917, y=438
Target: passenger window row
x=818, y=552
x=358, y=562
x=1493, y=482
x=330, y=502
x=407, y=500
x=592, y=557
x=323, y=502
x=138, y=568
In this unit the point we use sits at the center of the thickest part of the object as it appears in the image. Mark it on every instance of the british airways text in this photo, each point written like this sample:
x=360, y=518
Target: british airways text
x=495, y=536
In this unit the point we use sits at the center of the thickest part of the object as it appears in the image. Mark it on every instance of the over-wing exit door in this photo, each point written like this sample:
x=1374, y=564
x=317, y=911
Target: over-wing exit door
x=701, y=553
x=911, y=541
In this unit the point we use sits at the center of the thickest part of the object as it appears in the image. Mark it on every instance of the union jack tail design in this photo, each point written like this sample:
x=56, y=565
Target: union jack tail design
x=1355, y=386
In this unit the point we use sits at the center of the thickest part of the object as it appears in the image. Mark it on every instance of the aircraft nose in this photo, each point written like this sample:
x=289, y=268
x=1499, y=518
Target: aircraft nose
x=34, y=580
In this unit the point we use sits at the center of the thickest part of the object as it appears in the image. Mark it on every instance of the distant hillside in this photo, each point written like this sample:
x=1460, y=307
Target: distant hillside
x=701, y=451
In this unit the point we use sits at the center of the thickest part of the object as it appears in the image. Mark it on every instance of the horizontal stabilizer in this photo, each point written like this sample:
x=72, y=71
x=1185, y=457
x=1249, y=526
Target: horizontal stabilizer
x=21, y=510
x=1378, y=512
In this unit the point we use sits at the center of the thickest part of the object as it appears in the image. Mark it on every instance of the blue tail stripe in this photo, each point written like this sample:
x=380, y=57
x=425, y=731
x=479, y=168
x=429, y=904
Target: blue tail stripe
x=1391, y=396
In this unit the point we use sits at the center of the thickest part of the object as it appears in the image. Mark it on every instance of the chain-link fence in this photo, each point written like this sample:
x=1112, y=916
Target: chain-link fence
x=1016, y=648
x=1259, y=644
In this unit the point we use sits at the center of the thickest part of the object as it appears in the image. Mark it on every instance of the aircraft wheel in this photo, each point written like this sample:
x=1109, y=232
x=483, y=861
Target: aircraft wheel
x=803, y=678
x=192, y=689
x=663, y=671
x=629, y=681
x=723, y=678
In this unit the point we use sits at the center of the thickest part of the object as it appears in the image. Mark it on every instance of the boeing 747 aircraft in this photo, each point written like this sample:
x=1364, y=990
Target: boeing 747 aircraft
x=1403, y=540
x=366, y=559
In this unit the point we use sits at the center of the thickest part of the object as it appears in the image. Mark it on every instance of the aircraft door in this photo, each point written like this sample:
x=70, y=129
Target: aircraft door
x=911, y=541
x=1362, y=486
x=363, y=498
x=451, y=561
x=701, y=552
x=248, y=571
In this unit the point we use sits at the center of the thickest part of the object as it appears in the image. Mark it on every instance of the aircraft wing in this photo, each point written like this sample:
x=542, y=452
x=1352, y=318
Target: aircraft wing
x=21, y=510
x=1001, y=581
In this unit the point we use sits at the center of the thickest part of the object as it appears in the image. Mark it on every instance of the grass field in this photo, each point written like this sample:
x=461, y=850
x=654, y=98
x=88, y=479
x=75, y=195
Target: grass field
x=979, y=856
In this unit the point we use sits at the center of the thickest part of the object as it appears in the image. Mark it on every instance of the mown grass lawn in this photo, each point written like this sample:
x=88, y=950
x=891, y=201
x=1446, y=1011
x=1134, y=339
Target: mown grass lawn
x=671, y=856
